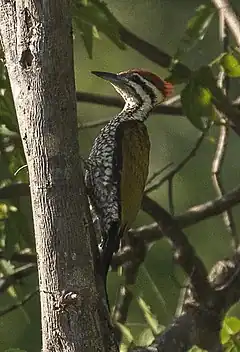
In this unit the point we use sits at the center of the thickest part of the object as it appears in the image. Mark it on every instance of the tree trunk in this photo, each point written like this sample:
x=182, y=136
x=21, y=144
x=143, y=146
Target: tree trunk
x=37, y=41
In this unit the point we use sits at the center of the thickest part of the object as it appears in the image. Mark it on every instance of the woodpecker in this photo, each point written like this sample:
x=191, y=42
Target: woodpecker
x=118, y=161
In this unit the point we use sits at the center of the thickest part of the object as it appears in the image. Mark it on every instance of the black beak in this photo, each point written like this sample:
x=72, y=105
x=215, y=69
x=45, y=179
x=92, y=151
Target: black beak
x=108, y=76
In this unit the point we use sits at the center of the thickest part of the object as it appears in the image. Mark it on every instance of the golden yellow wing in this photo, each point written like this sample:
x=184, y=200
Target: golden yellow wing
x=131, y=168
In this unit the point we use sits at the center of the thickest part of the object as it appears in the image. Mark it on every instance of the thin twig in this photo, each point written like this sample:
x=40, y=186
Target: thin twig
x=163, y=109
x=178, y=167
x=19, y=274
x=151, y=233
x=148, y=233
x=157, y=173
x=125, y=295
x=184, y=252
x=208, y=209
x=191, y=217
x=182, y=297
x=230, y=110
x=205, y=317
x=172, y=100
x=19, y=257
x=221, y=150
x=150, y=51
x=19, y=304
x=216, y=176
x=94, y=124
x=155, y=289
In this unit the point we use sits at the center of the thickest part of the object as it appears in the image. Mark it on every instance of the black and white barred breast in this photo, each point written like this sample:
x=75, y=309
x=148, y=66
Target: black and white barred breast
x=99, y=179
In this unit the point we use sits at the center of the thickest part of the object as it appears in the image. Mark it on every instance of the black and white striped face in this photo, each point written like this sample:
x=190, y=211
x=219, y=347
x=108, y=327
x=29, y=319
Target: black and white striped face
x=139, y=86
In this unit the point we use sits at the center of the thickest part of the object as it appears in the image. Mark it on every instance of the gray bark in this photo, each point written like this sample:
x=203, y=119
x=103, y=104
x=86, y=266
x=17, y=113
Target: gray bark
x=37, y=41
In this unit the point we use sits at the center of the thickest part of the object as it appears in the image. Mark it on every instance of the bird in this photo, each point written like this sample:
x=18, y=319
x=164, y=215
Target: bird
x=117, y=166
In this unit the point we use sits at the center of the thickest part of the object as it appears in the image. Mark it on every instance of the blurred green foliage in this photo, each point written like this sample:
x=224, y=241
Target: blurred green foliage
x=231, y=65
x=230, y=334
x=98, y=45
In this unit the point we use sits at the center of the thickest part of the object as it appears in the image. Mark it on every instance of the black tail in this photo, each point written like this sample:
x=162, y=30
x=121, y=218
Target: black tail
x=109, y=246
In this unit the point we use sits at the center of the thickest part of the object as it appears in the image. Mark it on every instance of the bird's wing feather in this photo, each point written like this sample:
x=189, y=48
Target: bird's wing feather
x=131, y=161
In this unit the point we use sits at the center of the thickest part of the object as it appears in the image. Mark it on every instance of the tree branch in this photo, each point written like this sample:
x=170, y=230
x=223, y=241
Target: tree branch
x=200, y=322
x=230, y=17
x=221, y=150
x=151, y=233
x=14, y=190
x=191, y=217
x=184, y=253
x=19, y=304
x=19, y=257
x=131, y=268
x=150, y=51
x=170, y=175
x=211, y=208
x=196, y=319
x=231, y=111
x=19, y=274
x=106, y=100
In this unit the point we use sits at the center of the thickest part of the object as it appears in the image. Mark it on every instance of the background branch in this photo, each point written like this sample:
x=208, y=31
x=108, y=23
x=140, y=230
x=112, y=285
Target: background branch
x=231, y=18
x=19, y=274
x=106, y=100
x=170, y=175
x=125, y=295
x=151, y=233
x=218, y=161
x=19, y=304
x=230, y=110
x=184, y=253
x=200, y=322
x=211, y=208
x=150, y=51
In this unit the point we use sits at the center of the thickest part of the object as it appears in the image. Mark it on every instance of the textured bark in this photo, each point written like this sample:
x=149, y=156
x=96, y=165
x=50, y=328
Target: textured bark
x=37, y=41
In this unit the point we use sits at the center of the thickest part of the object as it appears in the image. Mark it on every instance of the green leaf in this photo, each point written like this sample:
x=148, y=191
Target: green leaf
x=204, y=76
x=225, y=336
x=232, y=325
x=231, y=347
x=230, y=328
x=145, y=338
x=96, y=13
x=126, y=333
x=95, y=32
x=123, y=347
x=196, y=29
x=87, y=35
x=231, y=65
x=149, y=316
x=197, y=104
x=154, y=287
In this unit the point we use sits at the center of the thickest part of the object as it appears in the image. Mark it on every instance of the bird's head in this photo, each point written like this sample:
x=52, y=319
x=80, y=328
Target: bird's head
x=138, y=86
